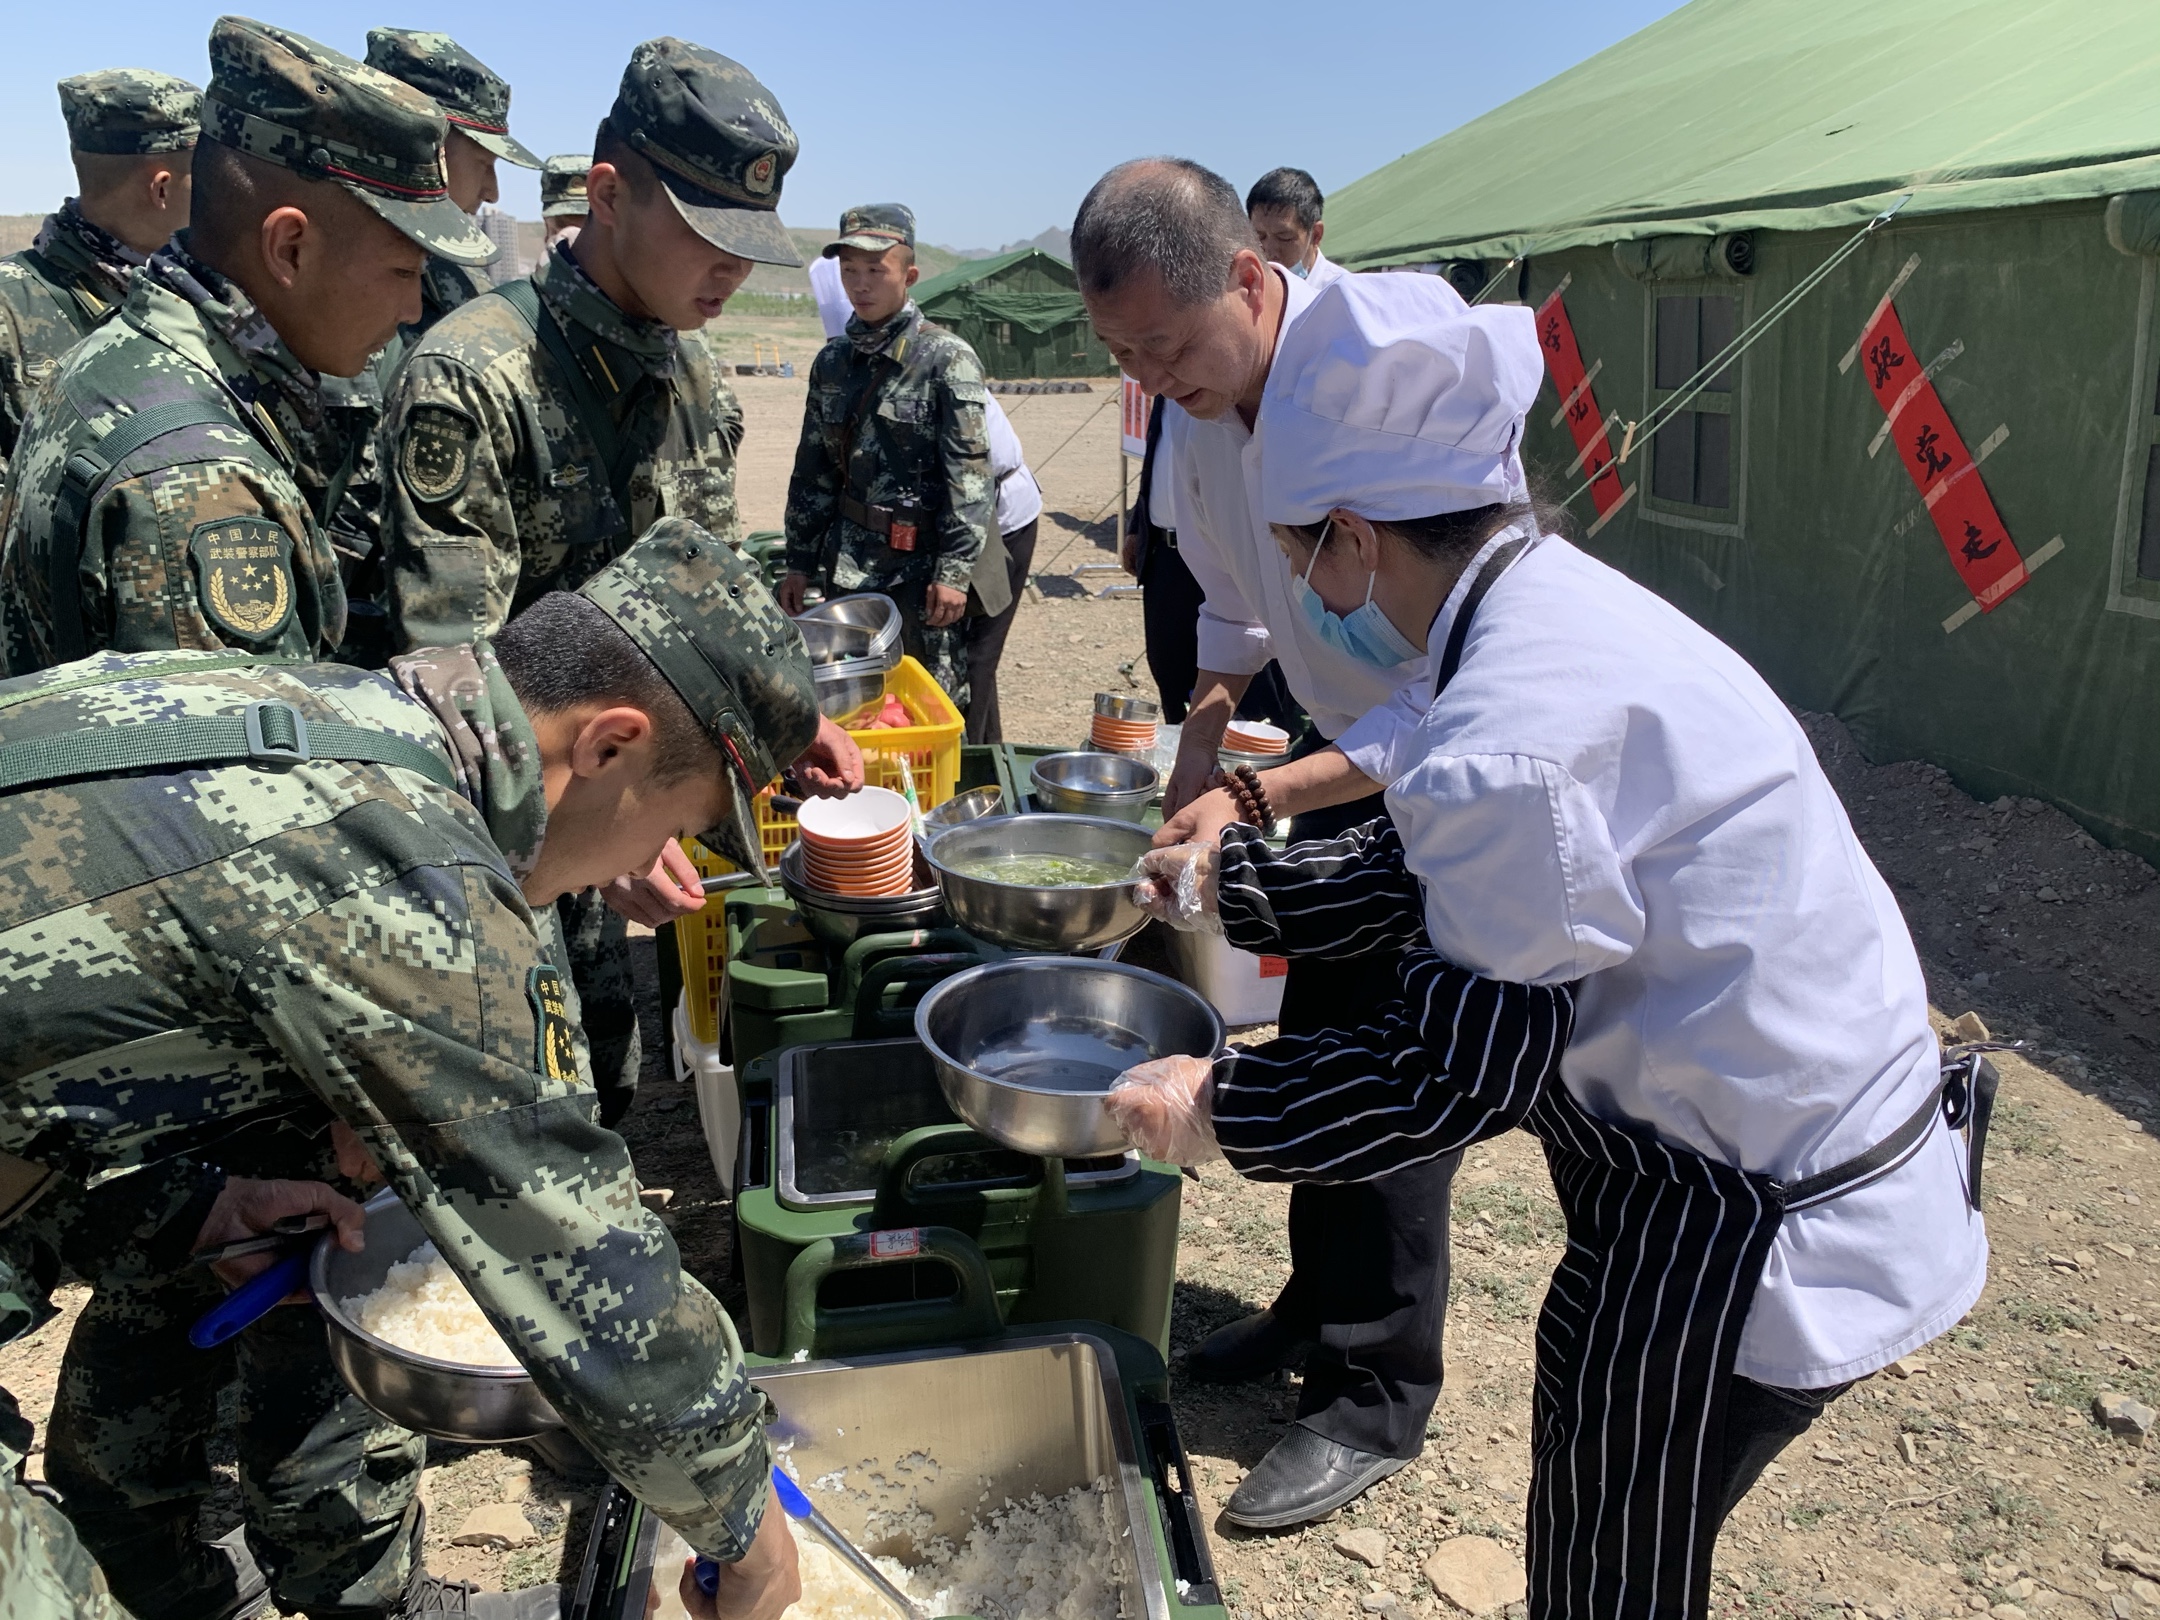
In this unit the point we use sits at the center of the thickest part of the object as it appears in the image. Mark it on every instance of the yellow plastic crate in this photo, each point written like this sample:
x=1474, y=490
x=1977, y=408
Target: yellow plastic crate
x=932, y=752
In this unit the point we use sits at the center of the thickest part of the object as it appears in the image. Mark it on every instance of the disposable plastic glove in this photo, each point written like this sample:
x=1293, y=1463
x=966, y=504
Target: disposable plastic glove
x=1177, y=885
x=1165, y=1108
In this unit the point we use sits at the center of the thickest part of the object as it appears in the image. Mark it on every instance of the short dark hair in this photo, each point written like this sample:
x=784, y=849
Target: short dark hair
x=562, y=652
x=1167, y=214
x=626, y=160
x=1293, y=189
x=236, y=191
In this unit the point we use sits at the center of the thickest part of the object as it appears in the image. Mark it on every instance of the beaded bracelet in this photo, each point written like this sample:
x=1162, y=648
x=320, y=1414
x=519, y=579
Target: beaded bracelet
x=1252, y=799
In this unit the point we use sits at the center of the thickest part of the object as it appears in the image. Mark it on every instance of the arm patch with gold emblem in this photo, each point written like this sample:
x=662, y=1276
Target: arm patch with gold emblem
x=435, y=452
x=243, y=576
x=554, y=1041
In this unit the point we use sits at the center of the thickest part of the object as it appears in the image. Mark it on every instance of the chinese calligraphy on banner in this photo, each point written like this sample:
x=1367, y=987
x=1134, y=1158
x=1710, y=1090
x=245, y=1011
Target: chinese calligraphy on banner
x=1593, y=441
x=1942, y=468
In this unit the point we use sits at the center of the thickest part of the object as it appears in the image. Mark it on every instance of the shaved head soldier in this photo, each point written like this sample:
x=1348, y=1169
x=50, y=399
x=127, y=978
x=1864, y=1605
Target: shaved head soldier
x=476, y=101
x=131, y=133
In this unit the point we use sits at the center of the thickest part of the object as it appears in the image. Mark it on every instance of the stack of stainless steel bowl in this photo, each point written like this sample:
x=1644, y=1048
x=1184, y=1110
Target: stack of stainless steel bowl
x=1045, y=918
x=854, y=644
x=1091, y=783
x=838, y=920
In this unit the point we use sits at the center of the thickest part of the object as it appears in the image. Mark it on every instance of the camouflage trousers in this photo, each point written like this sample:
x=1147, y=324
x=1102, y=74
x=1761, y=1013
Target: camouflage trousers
x=942, y=651
x=596, y=954
x=44, y=1572
x=329, y=1490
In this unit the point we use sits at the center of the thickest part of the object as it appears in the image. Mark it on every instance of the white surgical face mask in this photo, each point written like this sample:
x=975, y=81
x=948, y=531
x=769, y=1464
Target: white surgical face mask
x=1367, y=634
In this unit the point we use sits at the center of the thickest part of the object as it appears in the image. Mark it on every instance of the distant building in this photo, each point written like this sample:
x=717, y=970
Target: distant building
x=502, y=229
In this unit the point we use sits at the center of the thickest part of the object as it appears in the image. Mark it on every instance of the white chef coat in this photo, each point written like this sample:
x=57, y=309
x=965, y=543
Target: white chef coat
x=1019, y=497
x=832, y=305
x=1248, y=615
x=1323, y=271
x=1608, y=793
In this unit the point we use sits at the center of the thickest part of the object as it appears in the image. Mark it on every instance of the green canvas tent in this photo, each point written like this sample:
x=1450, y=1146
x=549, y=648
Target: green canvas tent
x=1022, y=312
x=1928, y=498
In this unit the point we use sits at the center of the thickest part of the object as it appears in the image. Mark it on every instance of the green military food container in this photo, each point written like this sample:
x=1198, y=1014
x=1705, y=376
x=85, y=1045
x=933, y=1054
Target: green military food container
x=850, y=1139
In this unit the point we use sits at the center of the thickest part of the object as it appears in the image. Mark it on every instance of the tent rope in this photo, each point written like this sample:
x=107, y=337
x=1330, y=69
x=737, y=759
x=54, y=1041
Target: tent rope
x=1486, y=291
x=1640, y=433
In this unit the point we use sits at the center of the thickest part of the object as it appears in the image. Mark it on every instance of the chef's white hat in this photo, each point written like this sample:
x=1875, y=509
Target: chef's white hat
x=1393, y=398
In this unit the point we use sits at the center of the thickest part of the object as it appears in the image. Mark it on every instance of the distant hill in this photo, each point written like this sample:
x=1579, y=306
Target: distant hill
x=1056, y=241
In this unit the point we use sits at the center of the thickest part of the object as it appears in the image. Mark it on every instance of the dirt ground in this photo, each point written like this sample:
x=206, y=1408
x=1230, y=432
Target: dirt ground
x=1973, y=1480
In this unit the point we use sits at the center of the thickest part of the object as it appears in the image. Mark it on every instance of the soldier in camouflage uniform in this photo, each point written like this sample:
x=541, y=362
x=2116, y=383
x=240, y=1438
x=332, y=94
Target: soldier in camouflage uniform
x=200, y=533
x=352, y=938
x=892, y=489
x=131, y=133
x=476, y=101
x=533, y=435
x=562, y=193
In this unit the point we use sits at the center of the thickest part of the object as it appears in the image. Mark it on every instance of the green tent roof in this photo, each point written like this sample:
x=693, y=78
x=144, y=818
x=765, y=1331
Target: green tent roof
x=1027, y=286
x=1787, y=115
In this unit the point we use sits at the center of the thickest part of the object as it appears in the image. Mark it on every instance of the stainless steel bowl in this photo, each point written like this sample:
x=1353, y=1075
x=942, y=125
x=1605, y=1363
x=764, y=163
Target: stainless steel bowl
x=868, y=614
x=481, y=1406
x=838, y=920
x=844, y=687
x=1026, y=1050
x=1230, y=759
x=1117, y=706
x=1029, y=918
x=972, y=805
x=1094, y=783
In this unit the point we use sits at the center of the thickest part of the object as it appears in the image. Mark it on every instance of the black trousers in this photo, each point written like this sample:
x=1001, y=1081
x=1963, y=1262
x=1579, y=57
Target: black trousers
x=1761, y=1420
x=986, y=635
x=1170, y=613
x=1368, y=1261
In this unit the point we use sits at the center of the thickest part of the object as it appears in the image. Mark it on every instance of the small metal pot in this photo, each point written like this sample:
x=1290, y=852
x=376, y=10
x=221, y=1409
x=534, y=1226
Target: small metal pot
x=1029, y=918
x=1230, y=759
x=838, y=920
x=1116, y=706
x=482, y=1406
x=851, y=684
x=863, y=625
x=1094, y=782
x=972, y=805
x=1026, y=1050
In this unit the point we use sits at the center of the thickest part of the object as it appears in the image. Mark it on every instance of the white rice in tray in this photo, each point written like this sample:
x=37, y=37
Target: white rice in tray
x=423, y=1307
x=1048, y=1558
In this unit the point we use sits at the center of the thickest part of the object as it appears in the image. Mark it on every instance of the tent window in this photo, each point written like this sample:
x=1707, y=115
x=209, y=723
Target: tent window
x=1005, y=332
x=1691, y=458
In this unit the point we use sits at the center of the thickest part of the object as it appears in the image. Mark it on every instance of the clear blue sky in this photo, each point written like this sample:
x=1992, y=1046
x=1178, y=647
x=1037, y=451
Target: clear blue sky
x=990, y=120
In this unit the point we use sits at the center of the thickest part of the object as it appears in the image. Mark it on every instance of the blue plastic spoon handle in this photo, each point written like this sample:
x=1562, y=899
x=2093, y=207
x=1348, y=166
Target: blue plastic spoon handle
x=798, y=1506
x=250, y=1302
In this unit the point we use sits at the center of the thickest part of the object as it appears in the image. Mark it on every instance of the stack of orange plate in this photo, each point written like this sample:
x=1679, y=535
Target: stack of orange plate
x=863, y=845
x=1255, y=737
x=1122, y=736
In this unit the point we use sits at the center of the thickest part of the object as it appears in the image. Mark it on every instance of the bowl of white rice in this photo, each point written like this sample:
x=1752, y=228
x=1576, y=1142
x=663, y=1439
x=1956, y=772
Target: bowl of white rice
x=412, y=1343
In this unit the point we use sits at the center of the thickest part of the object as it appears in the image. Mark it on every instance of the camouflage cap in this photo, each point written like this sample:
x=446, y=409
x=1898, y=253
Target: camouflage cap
x=130, y=112
x=474, y=97
x=281, y=97
x=562, y=184
x=717, y=139
x=702, y=613
x=875, y=227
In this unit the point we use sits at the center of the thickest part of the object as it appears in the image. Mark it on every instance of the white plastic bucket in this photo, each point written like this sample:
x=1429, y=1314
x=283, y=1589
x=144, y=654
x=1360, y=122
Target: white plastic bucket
x=1243, y=987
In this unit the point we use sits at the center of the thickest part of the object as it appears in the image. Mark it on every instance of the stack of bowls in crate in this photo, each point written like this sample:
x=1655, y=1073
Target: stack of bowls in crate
x=1254, y=742
x=1124, y=725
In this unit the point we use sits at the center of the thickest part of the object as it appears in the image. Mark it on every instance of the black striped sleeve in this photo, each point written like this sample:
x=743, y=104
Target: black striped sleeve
x=1332, y=897
x=1457, y=1059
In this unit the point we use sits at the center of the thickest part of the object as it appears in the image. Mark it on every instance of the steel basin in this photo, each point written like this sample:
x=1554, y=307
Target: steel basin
x=863, y=625
x=844, y=687
x=1026, y=1050
x=1029, y=918
x=447, y=1399
x=1094, y=783
x=1116, y=706
x=838, y=920
x=972, y=805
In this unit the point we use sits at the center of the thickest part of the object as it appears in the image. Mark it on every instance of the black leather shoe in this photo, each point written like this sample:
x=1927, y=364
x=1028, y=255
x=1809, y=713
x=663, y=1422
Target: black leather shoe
x=432, y=1595
x=1252, y=1348
x=1304, y=1478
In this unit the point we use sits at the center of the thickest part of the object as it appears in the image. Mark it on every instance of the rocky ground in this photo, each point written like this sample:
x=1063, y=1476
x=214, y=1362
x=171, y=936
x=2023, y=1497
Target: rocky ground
x=1974, y=1478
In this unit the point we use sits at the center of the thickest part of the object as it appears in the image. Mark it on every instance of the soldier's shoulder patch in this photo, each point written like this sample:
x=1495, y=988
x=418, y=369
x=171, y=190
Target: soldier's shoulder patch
x=554, y=1042
x=435, y=452
x=243, y=576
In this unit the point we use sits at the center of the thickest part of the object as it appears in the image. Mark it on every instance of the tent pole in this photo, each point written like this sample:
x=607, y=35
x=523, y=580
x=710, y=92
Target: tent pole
x=1120, y=446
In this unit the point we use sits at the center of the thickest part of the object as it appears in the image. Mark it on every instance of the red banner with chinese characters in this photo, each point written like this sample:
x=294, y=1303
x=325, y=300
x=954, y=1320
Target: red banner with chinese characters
x=1564, y=360
x=1942, y=468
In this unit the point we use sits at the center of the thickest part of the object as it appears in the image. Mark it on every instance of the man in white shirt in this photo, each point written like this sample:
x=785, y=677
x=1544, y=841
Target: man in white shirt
x=1019, y=505
x=1166, y=261
x=1284, y=207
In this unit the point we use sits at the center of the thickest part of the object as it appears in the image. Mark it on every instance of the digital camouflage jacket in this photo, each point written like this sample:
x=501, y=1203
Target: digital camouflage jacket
x=188, y=952
x=53, y=294
x=495, y=493
x=894, y=420
x=443, y=287
x=204, y=537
